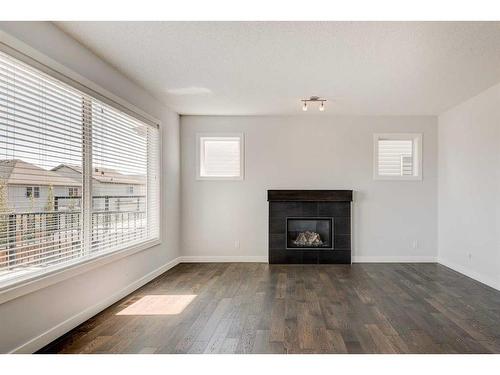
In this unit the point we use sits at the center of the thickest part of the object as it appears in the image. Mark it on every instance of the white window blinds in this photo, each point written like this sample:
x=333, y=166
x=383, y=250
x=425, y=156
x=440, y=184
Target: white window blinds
x=395, y=157
x=124, y=155
x=220, y=157
x=57, y=147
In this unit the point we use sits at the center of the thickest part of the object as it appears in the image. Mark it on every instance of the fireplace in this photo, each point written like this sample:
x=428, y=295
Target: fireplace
x=309, y=226
x=309, y=233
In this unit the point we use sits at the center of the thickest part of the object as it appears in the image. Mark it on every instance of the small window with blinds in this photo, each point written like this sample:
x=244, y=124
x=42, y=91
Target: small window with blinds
x=220, y=156
x=398, y=156
x=67, y=165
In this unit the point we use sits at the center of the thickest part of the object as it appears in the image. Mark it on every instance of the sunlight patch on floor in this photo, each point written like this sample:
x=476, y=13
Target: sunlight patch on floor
x=171, y=304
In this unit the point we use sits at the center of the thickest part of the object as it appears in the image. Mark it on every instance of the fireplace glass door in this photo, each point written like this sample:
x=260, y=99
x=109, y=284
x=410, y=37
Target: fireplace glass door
x=309, y=233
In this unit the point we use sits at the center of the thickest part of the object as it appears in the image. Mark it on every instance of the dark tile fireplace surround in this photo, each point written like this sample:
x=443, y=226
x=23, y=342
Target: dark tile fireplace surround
x=309, y=226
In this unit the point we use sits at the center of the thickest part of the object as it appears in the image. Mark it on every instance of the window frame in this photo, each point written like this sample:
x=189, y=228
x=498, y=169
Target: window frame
x=200, y=136
x=31, y=282
x=417, y=154
x=32, y=192
x=73, y=191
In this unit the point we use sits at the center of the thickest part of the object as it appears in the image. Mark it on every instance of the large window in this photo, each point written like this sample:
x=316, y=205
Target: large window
x=397, y=156
x=220, y=156
x=67, y=161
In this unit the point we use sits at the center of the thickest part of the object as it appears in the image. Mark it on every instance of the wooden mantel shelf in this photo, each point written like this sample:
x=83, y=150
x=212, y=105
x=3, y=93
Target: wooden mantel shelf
x=309, y=195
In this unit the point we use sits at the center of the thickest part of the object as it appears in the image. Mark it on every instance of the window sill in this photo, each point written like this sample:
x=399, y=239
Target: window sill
x=397, y=178
x=235, y=178
x=33, y=283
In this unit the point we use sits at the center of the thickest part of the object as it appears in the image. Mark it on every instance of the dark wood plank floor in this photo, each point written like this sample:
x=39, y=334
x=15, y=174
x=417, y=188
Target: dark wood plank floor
x=260, y=308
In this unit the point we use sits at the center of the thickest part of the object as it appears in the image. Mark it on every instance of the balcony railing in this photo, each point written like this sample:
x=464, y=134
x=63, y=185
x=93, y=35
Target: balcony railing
x=40, y=239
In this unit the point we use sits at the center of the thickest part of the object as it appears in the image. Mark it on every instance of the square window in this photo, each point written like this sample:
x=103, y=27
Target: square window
x=33, y=192
x=73, y=192
x=220, y=156
x=397, y=156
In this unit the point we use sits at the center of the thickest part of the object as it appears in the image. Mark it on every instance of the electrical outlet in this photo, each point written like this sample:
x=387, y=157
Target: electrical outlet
x=470, y=257
x=237, y=244
x=415, y=244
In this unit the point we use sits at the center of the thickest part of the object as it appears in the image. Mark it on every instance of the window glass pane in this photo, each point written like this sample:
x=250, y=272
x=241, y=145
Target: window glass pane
x=40, y=130
x=395, y=157
x=120, y=149
x=220, y=157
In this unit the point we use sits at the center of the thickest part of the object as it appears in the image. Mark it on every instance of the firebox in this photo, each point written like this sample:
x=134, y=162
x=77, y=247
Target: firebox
x=309, y=226
x=309, y=233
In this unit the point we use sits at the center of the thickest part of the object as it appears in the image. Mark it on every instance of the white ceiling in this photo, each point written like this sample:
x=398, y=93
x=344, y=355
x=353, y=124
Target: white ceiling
x=376, y=68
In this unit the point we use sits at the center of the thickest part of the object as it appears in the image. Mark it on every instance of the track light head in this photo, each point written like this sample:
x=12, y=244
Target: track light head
x=314, y=99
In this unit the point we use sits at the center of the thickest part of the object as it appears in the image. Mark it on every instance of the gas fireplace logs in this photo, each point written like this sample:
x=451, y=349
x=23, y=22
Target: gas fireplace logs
x=308, y=238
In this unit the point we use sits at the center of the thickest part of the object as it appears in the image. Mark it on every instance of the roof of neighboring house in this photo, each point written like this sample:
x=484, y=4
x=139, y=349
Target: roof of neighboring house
x=19, y=172
x=106, y=175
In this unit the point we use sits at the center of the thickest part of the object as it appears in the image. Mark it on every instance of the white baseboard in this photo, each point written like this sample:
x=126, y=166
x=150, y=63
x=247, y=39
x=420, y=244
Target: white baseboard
x=50, y=335
x=264, y=259
x=393, y=259
x=495, y=284
x=224, y=259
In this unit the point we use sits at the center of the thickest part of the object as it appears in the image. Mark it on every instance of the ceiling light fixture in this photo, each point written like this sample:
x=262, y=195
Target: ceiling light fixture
x=314, y=99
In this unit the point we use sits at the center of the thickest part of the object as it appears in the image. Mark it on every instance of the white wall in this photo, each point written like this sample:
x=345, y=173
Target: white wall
x=33, y=320
x=469, y=187
x=309, y=152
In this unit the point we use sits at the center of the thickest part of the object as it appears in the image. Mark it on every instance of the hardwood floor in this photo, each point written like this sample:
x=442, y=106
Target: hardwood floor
x=261, y=308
